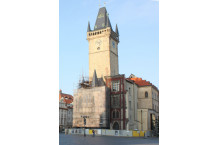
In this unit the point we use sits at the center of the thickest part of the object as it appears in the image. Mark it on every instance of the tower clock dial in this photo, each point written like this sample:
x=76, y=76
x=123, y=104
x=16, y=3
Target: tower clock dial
x=113, y=44
x=98, y=42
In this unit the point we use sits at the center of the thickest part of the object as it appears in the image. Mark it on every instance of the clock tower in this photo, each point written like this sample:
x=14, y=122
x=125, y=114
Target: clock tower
x=103, y=47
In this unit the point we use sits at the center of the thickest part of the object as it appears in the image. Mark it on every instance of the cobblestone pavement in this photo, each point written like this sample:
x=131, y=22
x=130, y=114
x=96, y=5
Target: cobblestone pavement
x=105, y=140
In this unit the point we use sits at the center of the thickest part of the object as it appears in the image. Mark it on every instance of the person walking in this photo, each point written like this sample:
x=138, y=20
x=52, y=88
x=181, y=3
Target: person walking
x=93, y=131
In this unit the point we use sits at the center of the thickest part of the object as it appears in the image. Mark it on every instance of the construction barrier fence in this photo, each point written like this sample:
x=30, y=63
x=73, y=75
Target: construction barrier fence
x=108, y=132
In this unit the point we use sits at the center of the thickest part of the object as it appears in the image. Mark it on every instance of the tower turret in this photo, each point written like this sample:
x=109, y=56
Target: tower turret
x=88, y=29
x=117, y=30
x=94, y=79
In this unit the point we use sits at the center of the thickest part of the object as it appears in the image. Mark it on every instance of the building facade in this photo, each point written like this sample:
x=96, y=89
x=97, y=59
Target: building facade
x=147, y=103
x=91, y=100
x=111, y=100
x=62, y=114
x=70, y=115
x=65, y=110
x=132, y=101
x=118, y=117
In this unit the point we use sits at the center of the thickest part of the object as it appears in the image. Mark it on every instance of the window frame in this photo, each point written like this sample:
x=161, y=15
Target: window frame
x=115, y=86
x=146, y=94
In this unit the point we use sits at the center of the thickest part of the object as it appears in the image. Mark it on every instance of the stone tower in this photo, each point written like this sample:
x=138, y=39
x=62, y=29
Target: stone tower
x=103, y=46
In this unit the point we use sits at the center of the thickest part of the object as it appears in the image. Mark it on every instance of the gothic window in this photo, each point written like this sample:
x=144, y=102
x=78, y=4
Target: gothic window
x=117, y=114
x=116, y=100
x=146, y=94
x=115, y=86
x=113, y=114
x=113, y=100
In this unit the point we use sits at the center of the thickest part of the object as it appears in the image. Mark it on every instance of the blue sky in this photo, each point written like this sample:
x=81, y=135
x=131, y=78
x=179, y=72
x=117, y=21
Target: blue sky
x=138, y=24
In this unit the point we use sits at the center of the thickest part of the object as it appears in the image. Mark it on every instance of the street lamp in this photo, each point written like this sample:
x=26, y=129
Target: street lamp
x=84, y=118
x=101, y=126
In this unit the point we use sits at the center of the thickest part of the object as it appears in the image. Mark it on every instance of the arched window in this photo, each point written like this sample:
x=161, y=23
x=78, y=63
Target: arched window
x=146, y=94
x=117, y=114
x=113, y=114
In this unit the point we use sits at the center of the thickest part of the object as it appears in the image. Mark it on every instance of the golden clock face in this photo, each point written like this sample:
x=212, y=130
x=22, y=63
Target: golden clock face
x=98, y=42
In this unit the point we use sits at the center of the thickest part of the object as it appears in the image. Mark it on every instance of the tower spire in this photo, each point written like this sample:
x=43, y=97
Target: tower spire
x=108, y=21
x=88, y=29
x=102, y=20
x=94, y=79
x=117, y=30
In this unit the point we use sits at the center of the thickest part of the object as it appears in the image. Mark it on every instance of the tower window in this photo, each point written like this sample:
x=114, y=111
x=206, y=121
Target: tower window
x=146, y=94
x=115, y=86
x=98, y=48
x=116, y=114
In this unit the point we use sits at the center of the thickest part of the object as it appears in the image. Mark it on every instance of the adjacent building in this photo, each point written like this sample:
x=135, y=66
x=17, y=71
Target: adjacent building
x=62, y=114
x=147, y=103
x=65, y=110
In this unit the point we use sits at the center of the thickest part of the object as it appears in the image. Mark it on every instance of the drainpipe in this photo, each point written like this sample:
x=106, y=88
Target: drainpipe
x=141, y=121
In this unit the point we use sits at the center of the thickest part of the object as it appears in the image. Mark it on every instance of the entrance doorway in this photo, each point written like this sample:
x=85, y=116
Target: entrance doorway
x=116, y=126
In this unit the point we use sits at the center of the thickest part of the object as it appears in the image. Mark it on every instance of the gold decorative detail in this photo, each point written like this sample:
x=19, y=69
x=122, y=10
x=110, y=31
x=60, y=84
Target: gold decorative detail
x=101, y=15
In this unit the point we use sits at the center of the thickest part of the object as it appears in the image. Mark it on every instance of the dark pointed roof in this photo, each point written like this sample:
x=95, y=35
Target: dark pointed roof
x=101, y=82
x=94, y=79
x=88, y=29
x=83, y=80
x=117, y=30
x=102, y=20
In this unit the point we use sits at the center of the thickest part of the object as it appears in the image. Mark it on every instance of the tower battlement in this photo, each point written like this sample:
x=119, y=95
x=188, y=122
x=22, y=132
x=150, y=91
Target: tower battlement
x=103, y=32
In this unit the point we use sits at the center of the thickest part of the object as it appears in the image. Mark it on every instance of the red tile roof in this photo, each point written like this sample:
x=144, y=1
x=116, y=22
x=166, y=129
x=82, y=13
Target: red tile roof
x=141, y=82
x=67, y=98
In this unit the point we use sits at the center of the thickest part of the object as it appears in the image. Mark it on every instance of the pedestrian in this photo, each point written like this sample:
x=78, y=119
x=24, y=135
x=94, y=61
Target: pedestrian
x=93, y=131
